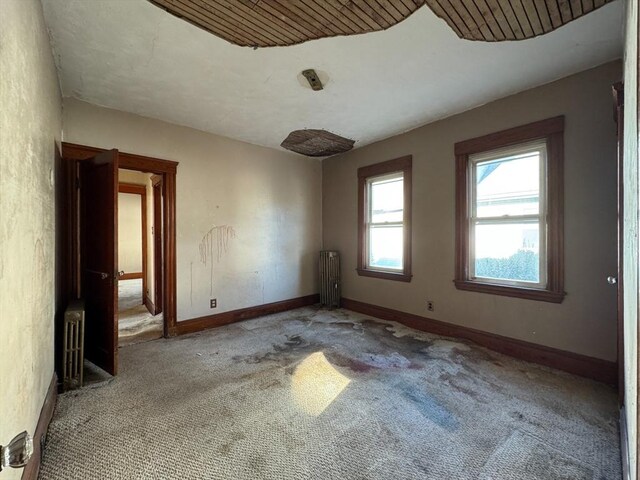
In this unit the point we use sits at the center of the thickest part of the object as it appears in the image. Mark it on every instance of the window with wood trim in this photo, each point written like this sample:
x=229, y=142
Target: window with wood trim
x=384, y=220
x=509, y=212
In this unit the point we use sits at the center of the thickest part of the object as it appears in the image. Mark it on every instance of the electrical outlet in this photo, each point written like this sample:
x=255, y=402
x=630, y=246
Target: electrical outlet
x=213, y=303
x=430, y=305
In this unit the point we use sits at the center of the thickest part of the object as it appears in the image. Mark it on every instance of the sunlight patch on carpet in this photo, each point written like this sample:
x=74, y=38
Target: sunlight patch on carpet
x=316, y=384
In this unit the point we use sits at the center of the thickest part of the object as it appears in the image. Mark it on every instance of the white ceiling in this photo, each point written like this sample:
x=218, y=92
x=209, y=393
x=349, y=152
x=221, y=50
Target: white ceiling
x=133, y=56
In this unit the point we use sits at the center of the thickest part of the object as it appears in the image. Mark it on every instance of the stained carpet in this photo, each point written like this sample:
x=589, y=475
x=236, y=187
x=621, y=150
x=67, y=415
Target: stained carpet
x=316, y=394
x=135, y=323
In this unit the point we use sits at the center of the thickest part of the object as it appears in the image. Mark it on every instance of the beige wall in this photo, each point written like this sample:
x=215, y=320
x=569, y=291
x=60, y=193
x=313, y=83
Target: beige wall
x=248, y=218
x=630, y=256
x=30, y=128
x=129, y=232
x=586, y=321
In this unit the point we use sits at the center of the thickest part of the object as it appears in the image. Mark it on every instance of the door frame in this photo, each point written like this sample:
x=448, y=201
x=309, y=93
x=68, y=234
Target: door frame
x=156, y=184
x=618, y=116
x=74, y=153
x=135, y=189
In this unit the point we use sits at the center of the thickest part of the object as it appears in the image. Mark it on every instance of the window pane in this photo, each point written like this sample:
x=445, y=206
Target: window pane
x=385, y=247
x=508, y=186
x=387, y=200
x=508, y=252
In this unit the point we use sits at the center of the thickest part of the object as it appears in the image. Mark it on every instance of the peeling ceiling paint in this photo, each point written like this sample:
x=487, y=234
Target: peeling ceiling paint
x=132, y=56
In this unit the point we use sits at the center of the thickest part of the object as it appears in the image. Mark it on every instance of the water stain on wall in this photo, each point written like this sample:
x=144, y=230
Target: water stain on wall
x=214, y=245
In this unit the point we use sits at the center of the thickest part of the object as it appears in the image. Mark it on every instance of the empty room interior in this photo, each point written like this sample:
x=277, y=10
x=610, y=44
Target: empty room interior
x=319, y=239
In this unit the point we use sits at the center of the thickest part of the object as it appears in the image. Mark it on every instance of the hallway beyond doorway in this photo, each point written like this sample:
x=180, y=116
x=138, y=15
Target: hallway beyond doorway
x=135, y=324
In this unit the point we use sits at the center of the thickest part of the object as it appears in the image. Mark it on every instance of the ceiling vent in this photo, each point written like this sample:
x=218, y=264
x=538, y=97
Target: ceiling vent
x=316, y=143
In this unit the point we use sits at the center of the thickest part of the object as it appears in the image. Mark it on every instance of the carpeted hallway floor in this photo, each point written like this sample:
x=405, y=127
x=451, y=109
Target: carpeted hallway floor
x=135, y=323
x=316, y=394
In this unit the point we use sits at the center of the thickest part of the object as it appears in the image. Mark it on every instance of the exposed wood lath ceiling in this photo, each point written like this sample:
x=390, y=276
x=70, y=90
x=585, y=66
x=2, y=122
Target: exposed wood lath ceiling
x=500, y=20
x=316, y=143
x=269, y=23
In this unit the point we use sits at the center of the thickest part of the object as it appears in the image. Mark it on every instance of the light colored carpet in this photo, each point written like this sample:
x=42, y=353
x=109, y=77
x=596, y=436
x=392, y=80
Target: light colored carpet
x=135, y=323
x=129, y=294
x=315, y=394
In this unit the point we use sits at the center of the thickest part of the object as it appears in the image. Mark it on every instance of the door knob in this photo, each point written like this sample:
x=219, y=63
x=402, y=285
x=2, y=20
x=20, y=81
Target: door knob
x=18, y=452
x=612, y=280
x=103, y=275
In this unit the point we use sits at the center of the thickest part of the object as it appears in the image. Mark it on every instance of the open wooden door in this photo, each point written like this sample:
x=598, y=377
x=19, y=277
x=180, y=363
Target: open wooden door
x=99, y=257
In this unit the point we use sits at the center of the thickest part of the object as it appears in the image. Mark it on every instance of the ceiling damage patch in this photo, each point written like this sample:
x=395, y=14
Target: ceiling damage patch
x=316, y=143
x=501, y=20
x=270, y=23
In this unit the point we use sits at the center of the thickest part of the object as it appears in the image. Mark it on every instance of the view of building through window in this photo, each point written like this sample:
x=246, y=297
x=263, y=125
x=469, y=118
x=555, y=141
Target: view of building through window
x=386, y=213
x=507, y=207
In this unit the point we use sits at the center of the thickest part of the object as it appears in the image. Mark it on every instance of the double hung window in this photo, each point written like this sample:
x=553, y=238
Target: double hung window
x=385, y=220
x=509, y=212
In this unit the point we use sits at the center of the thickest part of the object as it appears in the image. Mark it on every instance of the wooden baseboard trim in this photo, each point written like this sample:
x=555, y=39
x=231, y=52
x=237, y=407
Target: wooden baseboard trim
x=131, y=276
x=150, y=305
x=582, y=365
x=32, y=469
x=217, y=320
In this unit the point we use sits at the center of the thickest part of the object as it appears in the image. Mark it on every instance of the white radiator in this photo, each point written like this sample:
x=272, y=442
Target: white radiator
x=330, y=279
x=73, y=346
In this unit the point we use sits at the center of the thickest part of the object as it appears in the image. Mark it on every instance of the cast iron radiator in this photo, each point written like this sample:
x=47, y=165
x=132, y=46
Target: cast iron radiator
x=73, y=346
x=330, y=279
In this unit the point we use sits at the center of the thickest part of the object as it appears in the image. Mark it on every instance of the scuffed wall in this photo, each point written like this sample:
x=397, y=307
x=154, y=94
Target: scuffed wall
x=248, y=217
x=30, y=129
x=631, y=191
x=585, y=322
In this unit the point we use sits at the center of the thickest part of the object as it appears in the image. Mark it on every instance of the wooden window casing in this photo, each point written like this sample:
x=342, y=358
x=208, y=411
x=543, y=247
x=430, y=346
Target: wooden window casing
x=552, y=132
x=398, y=165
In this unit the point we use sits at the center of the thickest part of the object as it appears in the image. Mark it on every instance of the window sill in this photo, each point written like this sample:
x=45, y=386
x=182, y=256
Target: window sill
x=507, y=291
x=400, y=277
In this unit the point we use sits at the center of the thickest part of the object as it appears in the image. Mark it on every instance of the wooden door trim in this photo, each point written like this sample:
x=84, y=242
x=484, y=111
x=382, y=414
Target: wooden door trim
x=129, y=161
x=131, y=276
x=637, y=132
x=167, y=169
x=157, y=183
x=618, y=117
x=135, y=189
x=70, y=231
x=132, y=188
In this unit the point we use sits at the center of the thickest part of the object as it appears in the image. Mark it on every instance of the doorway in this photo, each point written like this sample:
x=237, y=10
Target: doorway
x=91, y=264
x=139, y=311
